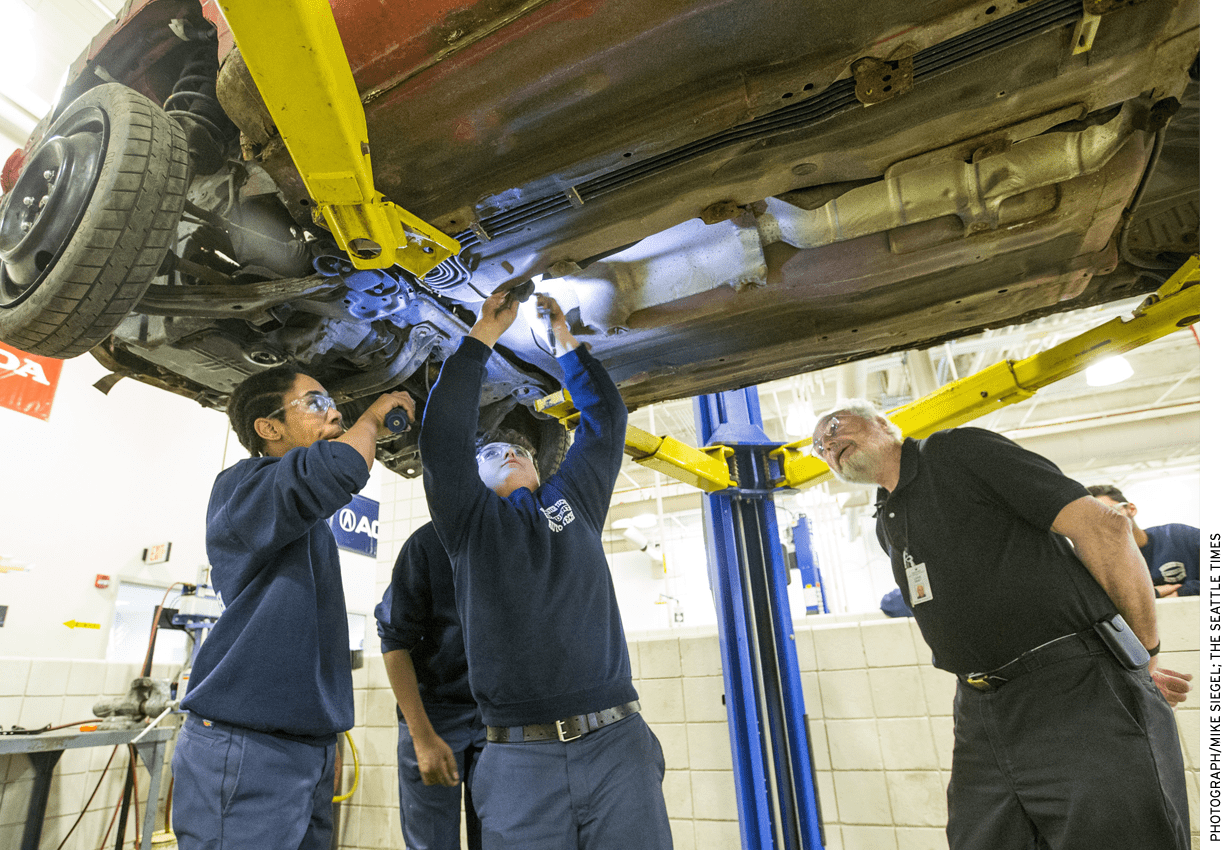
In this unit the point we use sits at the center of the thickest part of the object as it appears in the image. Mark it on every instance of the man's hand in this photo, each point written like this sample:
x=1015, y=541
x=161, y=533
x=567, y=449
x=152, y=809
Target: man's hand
x=1173, y=685
x=362, y=435
x=498, y=313
x=1164, y=590
x=559, y=323
x=382, y=406
x=437, y=764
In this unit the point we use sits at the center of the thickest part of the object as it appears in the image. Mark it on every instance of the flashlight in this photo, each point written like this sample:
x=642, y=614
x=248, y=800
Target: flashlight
x=396, y=420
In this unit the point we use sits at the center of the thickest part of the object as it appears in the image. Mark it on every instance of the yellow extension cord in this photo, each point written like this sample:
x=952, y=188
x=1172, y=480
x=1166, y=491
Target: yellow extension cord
x=354, y=752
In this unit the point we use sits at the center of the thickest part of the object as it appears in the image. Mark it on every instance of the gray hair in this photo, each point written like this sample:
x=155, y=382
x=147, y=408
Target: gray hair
x=863, y=409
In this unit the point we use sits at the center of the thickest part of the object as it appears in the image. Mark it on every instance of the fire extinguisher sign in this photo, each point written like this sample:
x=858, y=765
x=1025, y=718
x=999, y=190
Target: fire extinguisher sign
x=28, y=382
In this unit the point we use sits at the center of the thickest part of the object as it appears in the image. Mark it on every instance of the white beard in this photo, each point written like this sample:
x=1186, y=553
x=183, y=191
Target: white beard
x=856, y=468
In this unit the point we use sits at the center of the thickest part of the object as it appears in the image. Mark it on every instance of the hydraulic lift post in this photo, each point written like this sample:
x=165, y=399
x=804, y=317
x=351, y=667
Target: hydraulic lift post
x=774, y=774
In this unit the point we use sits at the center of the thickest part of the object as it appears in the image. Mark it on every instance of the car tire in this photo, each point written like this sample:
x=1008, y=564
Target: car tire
x=549, y=438
x=89, y=221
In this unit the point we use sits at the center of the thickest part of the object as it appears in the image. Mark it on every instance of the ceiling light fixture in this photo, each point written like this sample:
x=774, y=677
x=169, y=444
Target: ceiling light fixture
x=1109, y=371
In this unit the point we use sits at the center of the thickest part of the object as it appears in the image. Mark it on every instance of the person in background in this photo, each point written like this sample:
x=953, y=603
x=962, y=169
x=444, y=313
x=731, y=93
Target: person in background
x=893, y=604
x=439, y=734
x=569, y=762
x=1171, y=551
x=271, y=689
x=1058, y=742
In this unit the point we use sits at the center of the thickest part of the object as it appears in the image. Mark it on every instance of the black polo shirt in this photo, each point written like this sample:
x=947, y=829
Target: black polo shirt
x=976, y=509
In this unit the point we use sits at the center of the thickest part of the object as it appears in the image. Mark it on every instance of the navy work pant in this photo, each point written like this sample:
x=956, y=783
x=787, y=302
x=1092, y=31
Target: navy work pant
x=236, y=789
x=600, y=792
x=431, y=814
x=1078, y=755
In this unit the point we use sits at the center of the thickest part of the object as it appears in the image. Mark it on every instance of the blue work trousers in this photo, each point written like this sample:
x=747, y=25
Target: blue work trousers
x=237, y=789
x=602, y=791
x=1082, y=754
x=431, y=814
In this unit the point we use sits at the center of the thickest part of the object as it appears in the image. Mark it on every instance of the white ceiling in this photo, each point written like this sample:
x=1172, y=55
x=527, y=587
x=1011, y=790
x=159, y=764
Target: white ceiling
x=39, y=39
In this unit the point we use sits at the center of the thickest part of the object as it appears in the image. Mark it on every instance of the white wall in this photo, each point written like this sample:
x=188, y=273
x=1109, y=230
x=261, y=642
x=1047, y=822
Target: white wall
x=85, y=492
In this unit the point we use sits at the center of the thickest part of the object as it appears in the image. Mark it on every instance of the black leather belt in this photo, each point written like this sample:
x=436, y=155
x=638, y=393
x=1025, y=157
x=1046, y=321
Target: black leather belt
x=1060, y=649
x=568, y=729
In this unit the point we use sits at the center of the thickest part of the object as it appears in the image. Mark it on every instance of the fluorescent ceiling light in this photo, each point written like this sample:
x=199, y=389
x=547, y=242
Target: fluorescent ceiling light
x=1109, y=371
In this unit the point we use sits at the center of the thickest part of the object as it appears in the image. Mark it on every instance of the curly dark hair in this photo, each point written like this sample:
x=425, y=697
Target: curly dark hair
x=258, y=396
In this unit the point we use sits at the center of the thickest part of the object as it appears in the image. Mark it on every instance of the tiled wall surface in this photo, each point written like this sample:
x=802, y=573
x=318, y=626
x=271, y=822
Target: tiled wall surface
x=38, y=692
x=880, y=715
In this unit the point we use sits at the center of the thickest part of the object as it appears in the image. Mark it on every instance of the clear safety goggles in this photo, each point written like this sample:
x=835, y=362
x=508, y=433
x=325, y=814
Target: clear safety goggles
x=492, y=451
x=312, y=403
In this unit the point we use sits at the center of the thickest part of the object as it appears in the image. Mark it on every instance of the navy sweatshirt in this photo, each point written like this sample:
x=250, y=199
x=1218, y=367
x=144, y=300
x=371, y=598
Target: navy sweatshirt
x=419, y=614
x=278, y=659
x=542, y=630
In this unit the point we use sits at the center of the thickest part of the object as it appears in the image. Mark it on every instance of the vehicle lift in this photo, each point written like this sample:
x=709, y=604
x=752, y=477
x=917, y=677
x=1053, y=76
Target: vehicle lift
x=297, y=60
x=741, y=469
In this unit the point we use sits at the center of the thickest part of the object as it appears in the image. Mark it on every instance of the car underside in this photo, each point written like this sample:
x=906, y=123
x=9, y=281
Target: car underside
x=718, y=192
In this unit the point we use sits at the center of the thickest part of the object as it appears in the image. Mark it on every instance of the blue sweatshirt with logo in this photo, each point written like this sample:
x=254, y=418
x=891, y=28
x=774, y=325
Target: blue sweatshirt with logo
x=278, y=659
x=543, y=635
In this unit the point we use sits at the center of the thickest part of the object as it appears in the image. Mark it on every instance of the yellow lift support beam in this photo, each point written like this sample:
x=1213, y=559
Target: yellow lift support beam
x=704, y=468
x=295, y=54
x=1174, y=306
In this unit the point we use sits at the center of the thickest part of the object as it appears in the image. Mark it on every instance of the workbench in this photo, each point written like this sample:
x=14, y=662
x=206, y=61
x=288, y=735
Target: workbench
x=46, y=748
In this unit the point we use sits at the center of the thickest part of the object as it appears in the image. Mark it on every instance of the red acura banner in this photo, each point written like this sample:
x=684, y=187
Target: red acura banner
x=28, y=382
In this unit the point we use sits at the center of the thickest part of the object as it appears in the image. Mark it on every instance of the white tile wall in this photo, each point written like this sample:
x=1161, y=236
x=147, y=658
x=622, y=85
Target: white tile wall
x=661, y=700
x=838, y=647
x=659, y=659
x=870, y=838
x=703, y=699
x=709, y=747
x=897, y=691
x=846, y=693
x=674, y=740
x=854, y=744
x=717, y=835
x=918, y=798
x=14, y=672
x=888, y=643
x=862, y=796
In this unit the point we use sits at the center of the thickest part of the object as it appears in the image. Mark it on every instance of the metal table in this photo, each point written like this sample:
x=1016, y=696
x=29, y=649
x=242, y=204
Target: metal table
x=45, y=750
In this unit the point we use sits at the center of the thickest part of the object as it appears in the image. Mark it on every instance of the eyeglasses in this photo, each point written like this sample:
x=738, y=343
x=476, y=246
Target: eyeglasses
x=491, y=451
x=830, y=431
x=310, y=403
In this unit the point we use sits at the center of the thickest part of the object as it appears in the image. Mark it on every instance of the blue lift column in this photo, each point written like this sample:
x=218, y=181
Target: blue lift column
x=774, y=775
x=813, y=583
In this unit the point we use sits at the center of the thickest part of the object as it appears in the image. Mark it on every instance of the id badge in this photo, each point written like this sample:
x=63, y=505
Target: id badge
x=916, y=578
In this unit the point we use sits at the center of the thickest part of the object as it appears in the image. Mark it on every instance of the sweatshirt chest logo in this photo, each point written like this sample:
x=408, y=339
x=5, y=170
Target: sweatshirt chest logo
x=558, y=515
x=1174, y=572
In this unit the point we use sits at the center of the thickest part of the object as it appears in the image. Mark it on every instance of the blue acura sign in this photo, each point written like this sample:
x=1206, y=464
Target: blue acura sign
x=356, y=526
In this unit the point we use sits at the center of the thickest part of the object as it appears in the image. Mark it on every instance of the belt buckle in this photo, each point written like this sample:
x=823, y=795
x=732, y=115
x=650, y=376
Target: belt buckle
x=560, y=731
x=980, y=681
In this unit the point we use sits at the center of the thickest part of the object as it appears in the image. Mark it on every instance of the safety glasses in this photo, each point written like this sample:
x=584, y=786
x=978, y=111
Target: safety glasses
x=492, y=451
x=319, y=403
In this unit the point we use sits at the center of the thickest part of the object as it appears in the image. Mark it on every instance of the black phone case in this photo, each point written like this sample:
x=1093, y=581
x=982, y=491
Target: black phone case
x=1122, y=642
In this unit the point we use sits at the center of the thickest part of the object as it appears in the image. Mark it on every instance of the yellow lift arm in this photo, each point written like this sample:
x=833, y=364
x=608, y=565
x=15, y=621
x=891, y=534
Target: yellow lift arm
x=295, y=54
x=1176, y=305
x=704, y=468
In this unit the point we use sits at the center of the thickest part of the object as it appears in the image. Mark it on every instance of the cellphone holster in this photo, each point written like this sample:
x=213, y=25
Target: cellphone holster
x=1122, y=642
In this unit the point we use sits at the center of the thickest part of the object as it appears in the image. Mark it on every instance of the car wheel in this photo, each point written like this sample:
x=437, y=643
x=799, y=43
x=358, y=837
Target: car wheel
x=549, y=438
x=89, y=221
